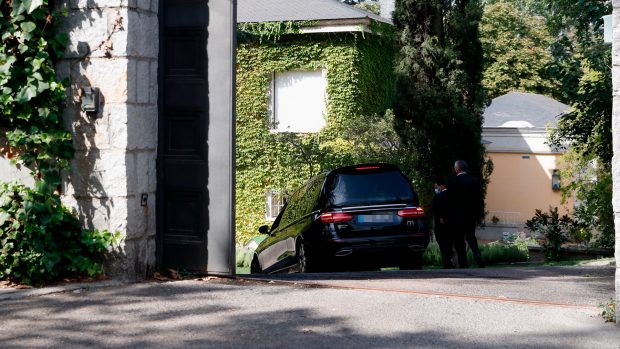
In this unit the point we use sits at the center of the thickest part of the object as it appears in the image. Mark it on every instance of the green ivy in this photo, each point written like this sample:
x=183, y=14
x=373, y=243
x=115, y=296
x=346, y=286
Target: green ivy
x=359, y=86
x=42, y=241
x=31, y=95
x=271, y=31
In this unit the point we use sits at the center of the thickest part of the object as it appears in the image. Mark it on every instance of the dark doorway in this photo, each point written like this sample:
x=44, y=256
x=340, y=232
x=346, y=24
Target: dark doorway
x=182, y=160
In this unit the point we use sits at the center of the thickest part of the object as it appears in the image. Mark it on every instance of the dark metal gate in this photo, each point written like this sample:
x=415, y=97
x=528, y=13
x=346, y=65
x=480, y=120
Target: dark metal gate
x=182, y=164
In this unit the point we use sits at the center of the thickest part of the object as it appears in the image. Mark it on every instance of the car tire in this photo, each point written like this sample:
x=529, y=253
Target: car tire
x=302, y=259
x=412, y=261
x=255, y=266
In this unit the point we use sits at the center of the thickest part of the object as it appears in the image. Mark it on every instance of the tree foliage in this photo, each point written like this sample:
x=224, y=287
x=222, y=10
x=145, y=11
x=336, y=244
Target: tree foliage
x=587, y=180
x=582, y=63
x=516, y=54
x=440, y=97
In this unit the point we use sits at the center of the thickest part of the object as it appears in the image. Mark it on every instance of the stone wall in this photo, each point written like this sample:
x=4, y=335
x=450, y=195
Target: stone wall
x=114, y=47
x=616, y=136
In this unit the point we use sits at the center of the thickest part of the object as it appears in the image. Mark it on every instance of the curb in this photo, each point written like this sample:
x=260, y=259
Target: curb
x=15, y=294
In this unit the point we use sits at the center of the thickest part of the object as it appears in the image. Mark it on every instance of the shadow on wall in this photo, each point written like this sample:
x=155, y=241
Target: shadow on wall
x=115, y=145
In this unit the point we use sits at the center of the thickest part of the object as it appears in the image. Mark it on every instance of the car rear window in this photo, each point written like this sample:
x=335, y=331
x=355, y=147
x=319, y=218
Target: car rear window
x=369, y=188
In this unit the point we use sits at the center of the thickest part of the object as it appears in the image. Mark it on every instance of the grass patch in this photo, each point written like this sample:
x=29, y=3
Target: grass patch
x=242, y=270
x=493, y=253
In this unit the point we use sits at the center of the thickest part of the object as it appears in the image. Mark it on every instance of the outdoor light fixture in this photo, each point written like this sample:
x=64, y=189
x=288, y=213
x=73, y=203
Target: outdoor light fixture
x=90, y=99
x=555, y=180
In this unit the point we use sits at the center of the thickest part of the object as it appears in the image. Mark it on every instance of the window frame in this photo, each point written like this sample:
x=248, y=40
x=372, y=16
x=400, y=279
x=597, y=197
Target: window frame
x=269, y=216
x=272, y=121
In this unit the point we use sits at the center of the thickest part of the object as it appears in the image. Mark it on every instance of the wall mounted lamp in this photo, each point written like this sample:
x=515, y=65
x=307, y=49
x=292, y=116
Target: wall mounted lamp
x=555, y=180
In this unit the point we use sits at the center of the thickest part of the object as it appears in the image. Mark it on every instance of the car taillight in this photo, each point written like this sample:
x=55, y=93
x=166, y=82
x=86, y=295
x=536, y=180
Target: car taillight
x=412, y=212
x=363, y=168
x=335, y=217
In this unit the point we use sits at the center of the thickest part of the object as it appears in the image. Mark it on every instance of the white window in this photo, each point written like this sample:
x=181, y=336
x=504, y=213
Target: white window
x=298, y=101
x=275, y=200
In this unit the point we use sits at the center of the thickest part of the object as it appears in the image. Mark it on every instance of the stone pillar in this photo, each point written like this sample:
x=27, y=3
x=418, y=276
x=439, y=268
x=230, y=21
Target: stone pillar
x=616, y=136
x=113, y=47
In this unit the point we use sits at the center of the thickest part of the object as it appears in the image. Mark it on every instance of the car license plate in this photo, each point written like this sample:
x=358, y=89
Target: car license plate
x=375, y=218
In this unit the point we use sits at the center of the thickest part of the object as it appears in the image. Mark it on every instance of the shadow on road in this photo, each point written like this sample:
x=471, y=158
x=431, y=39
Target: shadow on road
x=206, y=315
x=591, y=272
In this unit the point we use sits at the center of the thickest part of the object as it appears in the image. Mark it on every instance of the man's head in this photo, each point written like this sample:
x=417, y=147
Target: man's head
x=460, y=166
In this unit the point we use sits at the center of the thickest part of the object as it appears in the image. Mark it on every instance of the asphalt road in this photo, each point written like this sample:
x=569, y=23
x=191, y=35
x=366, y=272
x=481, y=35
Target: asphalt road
x=485, y=308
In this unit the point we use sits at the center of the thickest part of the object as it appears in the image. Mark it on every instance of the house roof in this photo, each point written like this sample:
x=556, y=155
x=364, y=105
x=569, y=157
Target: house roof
x=523, y=110
x=300, y=10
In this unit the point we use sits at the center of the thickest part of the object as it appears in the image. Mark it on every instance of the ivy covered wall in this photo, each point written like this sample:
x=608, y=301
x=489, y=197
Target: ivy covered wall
x=360, y=83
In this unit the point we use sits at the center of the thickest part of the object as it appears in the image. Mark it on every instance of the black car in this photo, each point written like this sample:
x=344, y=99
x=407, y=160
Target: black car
x=360, y=217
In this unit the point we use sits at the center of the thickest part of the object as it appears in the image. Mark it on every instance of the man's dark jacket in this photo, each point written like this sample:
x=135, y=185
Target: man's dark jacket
x=439, y=208
x=465, y=200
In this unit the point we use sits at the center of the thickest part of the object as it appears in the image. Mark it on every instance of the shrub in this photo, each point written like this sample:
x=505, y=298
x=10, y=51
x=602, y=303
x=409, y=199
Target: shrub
x=492, y=253
x=42, y=241
x=555, y=230
x=495, y=252
x=432, y=255
x=243, y=257
x=609, y=311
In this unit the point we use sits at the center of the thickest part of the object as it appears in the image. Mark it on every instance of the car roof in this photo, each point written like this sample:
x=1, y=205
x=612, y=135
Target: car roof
x=371, y=167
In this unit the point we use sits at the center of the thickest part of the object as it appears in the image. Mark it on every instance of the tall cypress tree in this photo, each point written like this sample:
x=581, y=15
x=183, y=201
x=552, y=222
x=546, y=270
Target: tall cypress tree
x=439, y=93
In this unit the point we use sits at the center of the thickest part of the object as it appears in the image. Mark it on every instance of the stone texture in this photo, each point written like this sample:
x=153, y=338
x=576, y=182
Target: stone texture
x=101, y=174
x=142, y=127
x=88, y=28
x=153, y=88
x=115, y=158
x=137, y=226
x=142, y=39
x=83, y=4
x=146, y=174
x=117, y=130
x=108, y=75
x=144, y=5
x=143, y=81
x=616, y=137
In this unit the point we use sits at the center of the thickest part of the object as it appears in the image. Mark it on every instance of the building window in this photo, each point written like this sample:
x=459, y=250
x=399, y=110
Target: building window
x=275, y=200
x=298, y=101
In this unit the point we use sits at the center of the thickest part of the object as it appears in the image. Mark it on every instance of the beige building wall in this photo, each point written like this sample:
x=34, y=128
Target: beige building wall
x=521, y=183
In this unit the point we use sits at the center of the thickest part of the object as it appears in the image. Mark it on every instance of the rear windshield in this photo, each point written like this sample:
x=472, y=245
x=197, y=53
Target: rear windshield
x=369, y=189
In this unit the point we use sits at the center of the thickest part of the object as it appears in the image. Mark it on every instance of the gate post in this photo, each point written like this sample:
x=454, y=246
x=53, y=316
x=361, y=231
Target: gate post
x=615, y=51
x=113, y=49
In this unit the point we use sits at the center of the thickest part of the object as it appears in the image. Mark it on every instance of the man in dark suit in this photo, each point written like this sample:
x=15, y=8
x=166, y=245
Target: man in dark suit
x=466, y=206
x=443, y=235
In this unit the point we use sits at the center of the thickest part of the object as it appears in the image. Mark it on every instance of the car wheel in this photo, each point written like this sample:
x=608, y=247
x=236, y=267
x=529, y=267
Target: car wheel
x=302, y=259
x=411, y=261
x=255, y=266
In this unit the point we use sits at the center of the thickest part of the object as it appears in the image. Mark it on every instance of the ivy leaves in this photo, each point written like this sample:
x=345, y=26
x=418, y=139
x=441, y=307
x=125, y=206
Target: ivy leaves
x=42, y=241
x=28, y=6
x=31, y=95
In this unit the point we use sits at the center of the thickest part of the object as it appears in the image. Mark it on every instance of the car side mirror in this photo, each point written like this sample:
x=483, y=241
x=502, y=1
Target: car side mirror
x=263, y=229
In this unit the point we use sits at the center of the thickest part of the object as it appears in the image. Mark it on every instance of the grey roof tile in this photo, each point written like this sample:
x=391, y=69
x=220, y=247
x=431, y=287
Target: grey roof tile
x=521, y=108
